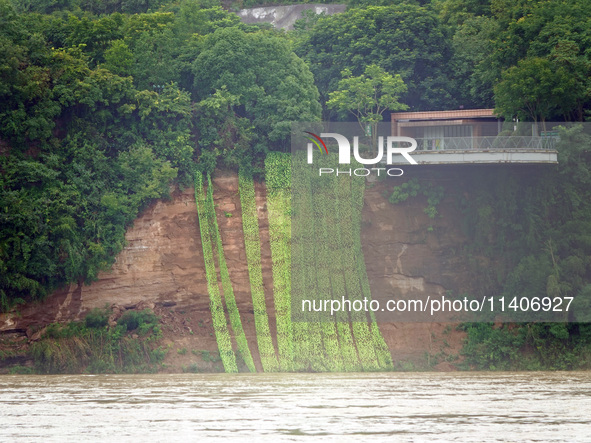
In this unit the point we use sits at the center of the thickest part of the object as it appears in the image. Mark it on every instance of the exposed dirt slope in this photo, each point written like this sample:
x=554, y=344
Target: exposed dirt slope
x=410, y=256
x=162, y=267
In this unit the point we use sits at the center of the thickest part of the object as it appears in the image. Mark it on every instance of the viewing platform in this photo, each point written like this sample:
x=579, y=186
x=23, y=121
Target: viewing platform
x=492, y=149
x=471, y=136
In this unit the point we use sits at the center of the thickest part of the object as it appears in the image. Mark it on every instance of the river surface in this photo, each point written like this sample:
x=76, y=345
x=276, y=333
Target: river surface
x=478, y=407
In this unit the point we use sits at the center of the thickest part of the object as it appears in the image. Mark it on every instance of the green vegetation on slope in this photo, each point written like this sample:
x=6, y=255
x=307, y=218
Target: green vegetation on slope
x=252, y=243
x=325, y=226
x=228, y=290
x=104, y=104
x=316, y=345
x=92, y=346
x=206, y=212
x=325, y=223
x=279, y=215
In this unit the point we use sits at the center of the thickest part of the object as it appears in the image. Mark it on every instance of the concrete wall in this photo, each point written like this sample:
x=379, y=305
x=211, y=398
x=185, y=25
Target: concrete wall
x=284, y=17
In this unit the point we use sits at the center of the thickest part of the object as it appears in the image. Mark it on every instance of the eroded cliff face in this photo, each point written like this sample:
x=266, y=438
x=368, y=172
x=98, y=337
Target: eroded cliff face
x=161, y=263
x=162, y=267
x=408, y=254
x=411, y=256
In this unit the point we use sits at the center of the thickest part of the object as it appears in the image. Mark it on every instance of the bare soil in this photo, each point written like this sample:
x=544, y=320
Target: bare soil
x=162, y=265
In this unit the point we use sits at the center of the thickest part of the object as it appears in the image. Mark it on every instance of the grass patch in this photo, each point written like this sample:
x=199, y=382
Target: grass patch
x=228, y=290
x=129, y=347
x=252, y=243
x=330, y=265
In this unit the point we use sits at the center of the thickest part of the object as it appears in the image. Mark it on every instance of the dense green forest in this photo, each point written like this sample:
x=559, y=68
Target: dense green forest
x=105, y=105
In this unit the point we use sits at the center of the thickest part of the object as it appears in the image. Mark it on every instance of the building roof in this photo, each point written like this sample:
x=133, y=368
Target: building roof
x=444, y=115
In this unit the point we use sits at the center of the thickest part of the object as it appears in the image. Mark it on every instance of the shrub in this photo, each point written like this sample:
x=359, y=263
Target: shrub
x=132, y=320
x=97, y=318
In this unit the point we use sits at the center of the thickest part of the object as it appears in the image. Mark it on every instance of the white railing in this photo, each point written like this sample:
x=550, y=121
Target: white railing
x=485, y=143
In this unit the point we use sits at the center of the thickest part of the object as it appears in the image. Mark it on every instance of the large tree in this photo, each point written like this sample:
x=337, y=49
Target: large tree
x=368, y=96
x=547, y=41
x=535, y=89
x=405, y=39
x=273, y=85
x=474, y=72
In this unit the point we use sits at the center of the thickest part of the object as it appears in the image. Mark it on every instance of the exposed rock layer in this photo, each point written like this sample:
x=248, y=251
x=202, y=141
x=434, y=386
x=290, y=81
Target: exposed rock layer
x=162, y=266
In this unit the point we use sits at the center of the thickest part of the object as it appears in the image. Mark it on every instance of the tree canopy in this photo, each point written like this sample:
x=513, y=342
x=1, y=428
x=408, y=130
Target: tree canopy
x=106, y=105
x=271, y=86
x=404, y=39
x=368, y=96
x=101, y=114
x=535, y=89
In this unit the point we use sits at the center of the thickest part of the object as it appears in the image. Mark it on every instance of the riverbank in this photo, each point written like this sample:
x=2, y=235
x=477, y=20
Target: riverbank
x=162, y=269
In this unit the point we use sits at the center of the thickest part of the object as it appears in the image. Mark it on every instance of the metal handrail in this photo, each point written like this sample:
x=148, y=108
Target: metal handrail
x=485, y=143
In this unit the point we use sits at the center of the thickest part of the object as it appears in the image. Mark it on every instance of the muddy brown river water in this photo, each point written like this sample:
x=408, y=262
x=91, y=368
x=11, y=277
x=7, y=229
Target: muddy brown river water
x=407, y=407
